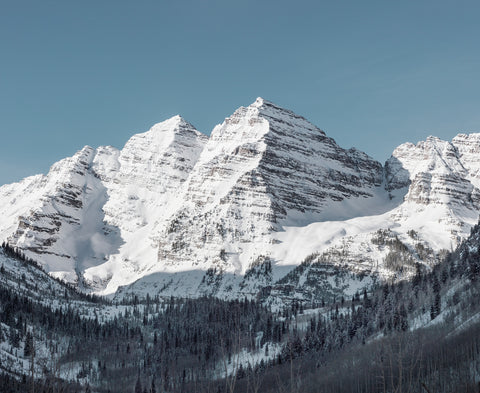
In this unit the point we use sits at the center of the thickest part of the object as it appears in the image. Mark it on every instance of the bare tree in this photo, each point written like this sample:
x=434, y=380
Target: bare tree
x=231, y=360
x=400, y=356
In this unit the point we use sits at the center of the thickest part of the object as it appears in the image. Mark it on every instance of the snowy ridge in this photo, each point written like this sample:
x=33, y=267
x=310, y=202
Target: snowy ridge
x=88, y=206
x=177, y=213
x=264, y=166
x=151, y=168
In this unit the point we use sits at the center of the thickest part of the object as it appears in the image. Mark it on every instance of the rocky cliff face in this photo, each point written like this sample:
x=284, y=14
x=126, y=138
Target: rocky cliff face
x=99, y=202
x=263, y=167
x=468, y=147
x=57, y=200
x=437, y=172
x=435, y=184
x=268, y=205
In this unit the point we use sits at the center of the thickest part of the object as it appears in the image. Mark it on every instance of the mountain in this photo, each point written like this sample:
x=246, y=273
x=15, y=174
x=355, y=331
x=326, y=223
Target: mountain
x=422, y=334
x=435, y=186
x=268, y=206
x=91, y=207
x=263, y=168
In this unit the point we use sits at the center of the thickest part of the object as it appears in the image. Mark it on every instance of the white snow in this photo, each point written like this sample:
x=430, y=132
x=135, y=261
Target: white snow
x=172, y=204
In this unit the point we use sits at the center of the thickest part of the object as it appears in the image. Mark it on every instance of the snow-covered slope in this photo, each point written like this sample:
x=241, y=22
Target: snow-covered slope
x=271, y=188
x=100, y=203
x=146, y=176
x=177, y=213
x=433, y=186
x=442, y=179
x=262, y=169
x=53, y=208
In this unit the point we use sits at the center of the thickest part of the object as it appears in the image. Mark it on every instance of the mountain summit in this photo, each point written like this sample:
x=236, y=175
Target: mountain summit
x=262, y=167
x=176, y=212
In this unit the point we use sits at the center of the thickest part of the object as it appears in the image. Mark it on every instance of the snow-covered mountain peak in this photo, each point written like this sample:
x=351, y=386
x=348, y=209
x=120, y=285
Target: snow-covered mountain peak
x=173, y=200
x=258, y=102
x=263, y=168
x=432, y=139
x=174, y=124
x=265, y=107
x=277, y=117
x=262, y=103
x=468, y=146
x=89, y=205
x=437, y=171
x=433, y=155
x=163, y=134
x=472, y=138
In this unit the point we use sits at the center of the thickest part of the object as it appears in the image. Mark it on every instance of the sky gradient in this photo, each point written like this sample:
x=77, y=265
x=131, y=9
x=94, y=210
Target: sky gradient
x=371, y=74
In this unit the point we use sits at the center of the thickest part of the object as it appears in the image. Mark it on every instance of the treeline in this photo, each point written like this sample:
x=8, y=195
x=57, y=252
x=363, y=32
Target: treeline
x=170, y=344
x=176, y=344
x=13, y=384
x=16, y=253
x=366, y=344
x=424, y=361
x=369, y=343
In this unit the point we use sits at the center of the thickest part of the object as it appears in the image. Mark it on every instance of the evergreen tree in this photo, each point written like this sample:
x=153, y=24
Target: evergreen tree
x=153, y=389
x=138, y=385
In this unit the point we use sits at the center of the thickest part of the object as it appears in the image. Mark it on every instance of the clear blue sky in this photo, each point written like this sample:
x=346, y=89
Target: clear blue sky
x=372, y=74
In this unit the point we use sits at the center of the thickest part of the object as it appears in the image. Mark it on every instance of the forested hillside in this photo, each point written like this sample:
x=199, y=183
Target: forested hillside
x=420, y=335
